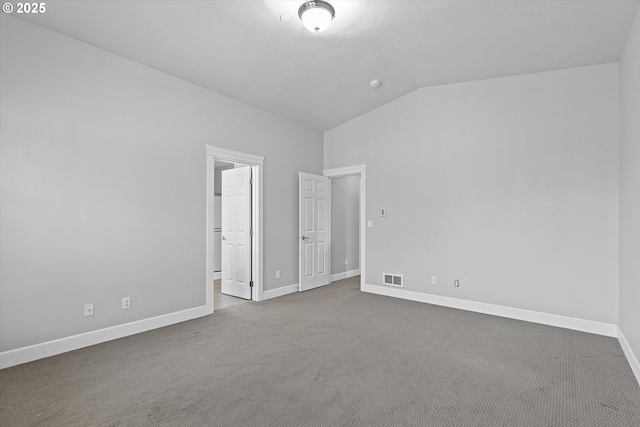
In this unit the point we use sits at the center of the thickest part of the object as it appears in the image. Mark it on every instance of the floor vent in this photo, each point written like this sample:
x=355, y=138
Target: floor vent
x=392, y=279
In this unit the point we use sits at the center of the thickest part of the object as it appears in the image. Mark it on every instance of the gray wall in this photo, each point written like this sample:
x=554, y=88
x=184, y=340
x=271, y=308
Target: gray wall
x=509, y=185
x=630, y=189
x=103, y=173
x=345, y=223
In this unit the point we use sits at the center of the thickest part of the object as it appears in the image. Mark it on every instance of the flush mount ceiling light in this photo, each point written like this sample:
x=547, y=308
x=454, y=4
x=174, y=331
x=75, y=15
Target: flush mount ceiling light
x=316, y=15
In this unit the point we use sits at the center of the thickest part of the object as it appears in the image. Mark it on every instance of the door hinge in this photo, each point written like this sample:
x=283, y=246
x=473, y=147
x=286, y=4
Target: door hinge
x=251, y=284
x=251, y=232
x=250, y=181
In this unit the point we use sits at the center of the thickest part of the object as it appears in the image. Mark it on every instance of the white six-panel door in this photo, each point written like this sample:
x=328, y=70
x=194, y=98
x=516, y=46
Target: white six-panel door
x=314, y=232
x=236, y=232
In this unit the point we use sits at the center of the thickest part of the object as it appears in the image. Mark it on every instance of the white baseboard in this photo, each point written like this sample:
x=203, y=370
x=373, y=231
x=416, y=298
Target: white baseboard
x=631, y=357
x=345, y=275
x=63, y=345
x=217, y=275
x=278, y=292
x=591, y=326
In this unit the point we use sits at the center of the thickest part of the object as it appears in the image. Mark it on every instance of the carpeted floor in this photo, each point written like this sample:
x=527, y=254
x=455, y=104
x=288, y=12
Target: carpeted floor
x=332, y=357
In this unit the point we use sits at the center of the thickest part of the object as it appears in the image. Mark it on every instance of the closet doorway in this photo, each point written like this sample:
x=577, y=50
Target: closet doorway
x=351, y=270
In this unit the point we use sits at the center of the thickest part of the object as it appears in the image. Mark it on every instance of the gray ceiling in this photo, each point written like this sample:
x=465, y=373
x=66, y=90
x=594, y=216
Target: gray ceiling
x=244, y=50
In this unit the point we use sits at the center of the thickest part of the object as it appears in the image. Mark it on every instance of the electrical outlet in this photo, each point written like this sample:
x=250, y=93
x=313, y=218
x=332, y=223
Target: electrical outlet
x=456, y=283
x=346, y=261
x=126, y=303
x=277, y=274
x=433, y=280
x=88, y=309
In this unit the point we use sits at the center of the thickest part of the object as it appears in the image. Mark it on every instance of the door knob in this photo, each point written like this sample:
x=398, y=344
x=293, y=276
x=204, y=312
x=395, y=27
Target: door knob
x=224, y=238
x=304, y=238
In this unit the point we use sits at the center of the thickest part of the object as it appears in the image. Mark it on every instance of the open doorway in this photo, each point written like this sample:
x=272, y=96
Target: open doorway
x=315, y=218
x=231, y=234
x=345, y=227
x=236, y=166
x=359, y=172
x=219, y=166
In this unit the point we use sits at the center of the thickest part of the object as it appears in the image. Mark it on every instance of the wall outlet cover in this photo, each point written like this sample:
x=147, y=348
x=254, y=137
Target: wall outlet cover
x=88, y=309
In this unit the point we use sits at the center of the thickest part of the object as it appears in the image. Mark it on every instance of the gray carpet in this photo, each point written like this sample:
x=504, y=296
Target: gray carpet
x=332, y=357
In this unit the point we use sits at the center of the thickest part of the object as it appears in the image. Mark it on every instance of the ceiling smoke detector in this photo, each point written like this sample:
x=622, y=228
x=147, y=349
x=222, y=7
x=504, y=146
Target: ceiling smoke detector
x=375, y=83
x=316, y=15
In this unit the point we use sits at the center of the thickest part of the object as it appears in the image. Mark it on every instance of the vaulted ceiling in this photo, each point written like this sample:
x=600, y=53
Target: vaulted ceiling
x=249, y=51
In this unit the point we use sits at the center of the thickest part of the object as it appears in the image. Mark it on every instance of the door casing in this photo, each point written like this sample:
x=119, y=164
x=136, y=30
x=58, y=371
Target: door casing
x=362, y=171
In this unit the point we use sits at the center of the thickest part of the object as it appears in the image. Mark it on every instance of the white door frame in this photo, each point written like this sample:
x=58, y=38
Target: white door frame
x=362, y=171
x=257, y=164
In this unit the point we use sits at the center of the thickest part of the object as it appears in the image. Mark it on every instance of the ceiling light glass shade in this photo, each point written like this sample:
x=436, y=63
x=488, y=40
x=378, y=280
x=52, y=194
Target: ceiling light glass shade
x=316, y=15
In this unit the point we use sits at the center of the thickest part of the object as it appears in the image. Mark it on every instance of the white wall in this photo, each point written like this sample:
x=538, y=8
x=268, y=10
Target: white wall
x=509, y=185
x=345, y=224
x=103, y=193
x=630, y=189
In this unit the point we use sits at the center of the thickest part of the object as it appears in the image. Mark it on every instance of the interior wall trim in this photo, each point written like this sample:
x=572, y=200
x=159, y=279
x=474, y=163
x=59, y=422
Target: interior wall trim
x=591, y=326
x=234, y=156
x=344, y=171
x=345, y=275
x=631, y=357
x=278, y=292
x=62, y=345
